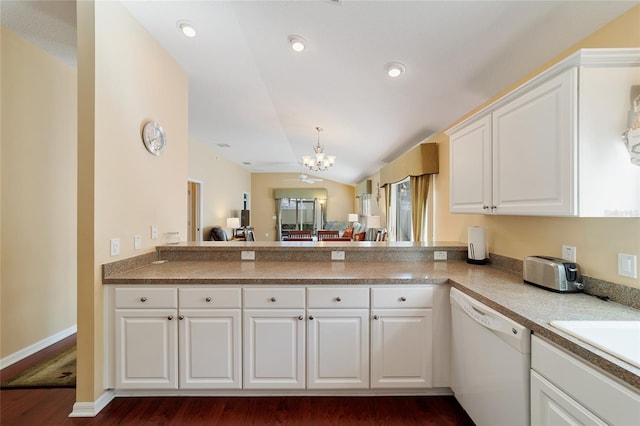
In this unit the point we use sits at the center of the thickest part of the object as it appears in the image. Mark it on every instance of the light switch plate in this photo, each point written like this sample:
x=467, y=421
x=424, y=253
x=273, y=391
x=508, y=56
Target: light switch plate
x=627, y=265
x=115, y=246
x=154, y=232
x=137, y=242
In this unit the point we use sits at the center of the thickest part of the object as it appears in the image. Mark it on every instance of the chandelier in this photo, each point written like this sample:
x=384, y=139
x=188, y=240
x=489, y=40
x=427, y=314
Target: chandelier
x=319, y=162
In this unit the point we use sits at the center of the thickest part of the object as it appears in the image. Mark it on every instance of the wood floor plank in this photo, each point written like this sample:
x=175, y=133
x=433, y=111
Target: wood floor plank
x=51, y=407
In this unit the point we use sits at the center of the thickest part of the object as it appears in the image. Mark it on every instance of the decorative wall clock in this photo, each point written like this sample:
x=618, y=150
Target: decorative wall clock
x=153, y=137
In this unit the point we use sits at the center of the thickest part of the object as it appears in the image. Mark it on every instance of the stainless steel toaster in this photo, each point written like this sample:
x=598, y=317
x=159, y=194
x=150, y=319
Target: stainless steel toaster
x=552, y=273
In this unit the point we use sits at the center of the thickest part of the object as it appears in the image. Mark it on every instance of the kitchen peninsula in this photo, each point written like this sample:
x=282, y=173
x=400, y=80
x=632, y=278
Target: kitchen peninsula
x=371, y=265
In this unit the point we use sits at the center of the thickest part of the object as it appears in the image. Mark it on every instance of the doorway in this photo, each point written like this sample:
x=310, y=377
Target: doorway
x=194, y=210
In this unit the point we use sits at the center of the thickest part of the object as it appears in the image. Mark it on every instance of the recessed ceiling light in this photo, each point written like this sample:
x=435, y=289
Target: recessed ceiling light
x=187, y=29
x=394, y=69
x=297, y=43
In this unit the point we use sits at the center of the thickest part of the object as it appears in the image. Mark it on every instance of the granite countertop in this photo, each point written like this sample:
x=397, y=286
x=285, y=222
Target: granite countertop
x=502, y=290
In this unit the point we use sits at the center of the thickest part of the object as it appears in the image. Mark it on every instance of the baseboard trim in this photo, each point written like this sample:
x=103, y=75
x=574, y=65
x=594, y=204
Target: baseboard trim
x=91, y=409
x=38, y=346
x=440, y=391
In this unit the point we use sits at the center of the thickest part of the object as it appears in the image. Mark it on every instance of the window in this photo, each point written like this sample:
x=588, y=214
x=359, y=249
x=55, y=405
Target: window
x=301, y=214
x=400, y=227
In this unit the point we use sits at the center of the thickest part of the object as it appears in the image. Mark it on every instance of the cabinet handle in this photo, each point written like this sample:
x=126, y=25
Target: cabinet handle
x=403, y=299
x=338, y=299
x=273, y=299
x=170, y=317
x=311, y=317
x=143, y=299
x=181, y=317
x=375, y=317
x=207, y=299
x=300, y=317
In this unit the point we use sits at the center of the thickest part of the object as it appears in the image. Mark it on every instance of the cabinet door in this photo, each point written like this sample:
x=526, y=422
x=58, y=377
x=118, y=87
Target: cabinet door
x=470, y=167
x=146, y=349
x=551, y=406
x=338, y=348
x=210, y=342
x=274, y=348
x=534, y=150
x=401, y=348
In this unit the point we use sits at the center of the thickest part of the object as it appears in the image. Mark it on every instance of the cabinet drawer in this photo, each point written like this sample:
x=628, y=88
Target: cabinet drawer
x=195, y=298
x=274, y=297
x=337, y=297
x=402, y=297
x=146, y=297
x=610, y=400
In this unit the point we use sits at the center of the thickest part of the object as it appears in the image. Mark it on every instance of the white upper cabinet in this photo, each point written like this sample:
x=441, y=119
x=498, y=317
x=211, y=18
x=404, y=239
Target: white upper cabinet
x=534, y=150
x=554, y=145
x=470, y=169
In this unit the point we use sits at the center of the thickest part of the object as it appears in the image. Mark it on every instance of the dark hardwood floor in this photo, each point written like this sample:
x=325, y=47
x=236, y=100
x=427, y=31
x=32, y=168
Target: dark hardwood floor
x=52, y=406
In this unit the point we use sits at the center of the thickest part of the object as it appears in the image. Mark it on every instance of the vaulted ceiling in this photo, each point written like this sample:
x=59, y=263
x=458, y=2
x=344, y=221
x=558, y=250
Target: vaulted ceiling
x=257, y=102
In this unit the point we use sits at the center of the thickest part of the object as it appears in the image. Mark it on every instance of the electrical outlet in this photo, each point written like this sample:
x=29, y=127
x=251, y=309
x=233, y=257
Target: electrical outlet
x=627, y=265
x=439, y=255
x=154, y=232
x=337, y=254
x=569, y=253
x=248, y=255
x=115, y=246
x=137, y=242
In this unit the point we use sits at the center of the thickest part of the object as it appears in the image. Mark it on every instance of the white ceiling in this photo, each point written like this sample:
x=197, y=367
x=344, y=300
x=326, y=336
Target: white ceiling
x=249, y=90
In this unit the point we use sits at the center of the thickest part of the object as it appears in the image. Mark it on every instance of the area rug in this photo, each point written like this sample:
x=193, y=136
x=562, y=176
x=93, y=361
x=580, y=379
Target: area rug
x=56, y=372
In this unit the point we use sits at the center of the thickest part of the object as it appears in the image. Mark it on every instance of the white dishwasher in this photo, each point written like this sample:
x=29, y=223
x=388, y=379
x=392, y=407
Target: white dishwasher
x=491, y=358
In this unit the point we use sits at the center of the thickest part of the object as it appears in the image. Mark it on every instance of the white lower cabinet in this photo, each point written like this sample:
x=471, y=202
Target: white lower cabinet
x=401, y=337
x=146, y=335
x=280, y=337
x=551, y=406
x=210, y=338
x=170, y=338
x=274, y=338
x=338, y=338
x=567, y=391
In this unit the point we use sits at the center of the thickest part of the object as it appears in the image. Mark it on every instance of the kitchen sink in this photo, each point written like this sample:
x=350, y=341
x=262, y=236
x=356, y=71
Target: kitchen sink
x=618, y=338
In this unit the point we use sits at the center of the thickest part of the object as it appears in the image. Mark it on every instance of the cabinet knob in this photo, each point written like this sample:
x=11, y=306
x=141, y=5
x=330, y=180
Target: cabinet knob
x=375, y=317
x=170, y=317
x=403, y=299
x=300, y=317
x=181, y=317
x=273, y=299
x=143, y=299
x=207, y=299
x=338, y=299
x=494, y=207
x=485, y=207
x=310, y=317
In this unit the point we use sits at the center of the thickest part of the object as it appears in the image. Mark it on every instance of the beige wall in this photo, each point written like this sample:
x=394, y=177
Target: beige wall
x=38, y=195
x=340, y=202
x=597, y=241
x=122, y=189
x=223, y=184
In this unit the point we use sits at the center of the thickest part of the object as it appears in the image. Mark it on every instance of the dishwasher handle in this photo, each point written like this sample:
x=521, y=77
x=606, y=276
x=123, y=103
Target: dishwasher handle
x=517, y=334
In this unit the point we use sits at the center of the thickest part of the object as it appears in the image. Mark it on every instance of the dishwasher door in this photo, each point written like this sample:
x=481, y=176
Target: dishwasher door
x=491, y=358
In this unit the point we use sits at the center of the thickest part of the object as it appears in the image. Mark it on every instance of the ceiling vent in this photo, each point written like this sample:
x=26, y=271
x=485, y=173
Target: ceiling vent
x=338, y=2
